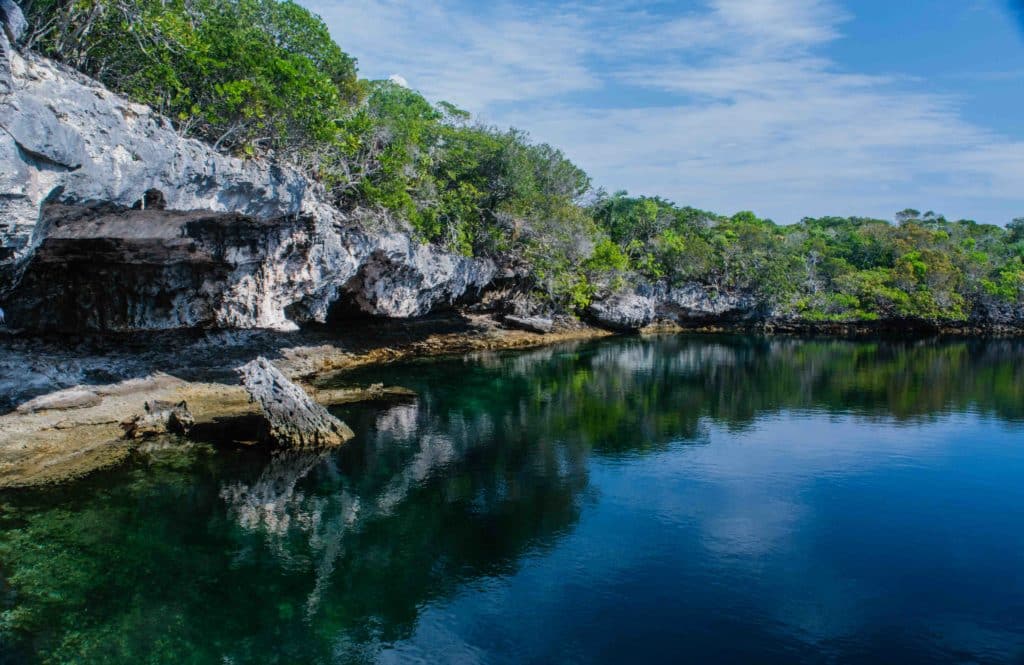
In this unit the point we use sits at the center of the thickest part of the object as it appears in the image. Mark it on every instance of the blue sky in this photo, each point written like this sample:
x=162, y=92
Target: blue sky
x=785, y=107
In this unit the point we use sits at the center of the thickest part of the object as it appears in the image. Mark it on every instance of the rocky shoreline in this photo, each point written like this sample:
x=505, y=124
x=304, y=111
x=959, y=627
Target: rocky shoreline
x=66, y=404
x=61, y=425
x=140, y=270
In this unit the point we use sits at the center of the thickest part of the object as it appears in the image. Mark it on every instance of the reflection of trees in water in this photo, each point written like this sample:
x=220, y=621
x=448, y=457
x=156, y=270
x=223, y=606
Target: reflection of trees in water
x=427, y=497
x=314, y=557
x=733, y=380
x=299, y=556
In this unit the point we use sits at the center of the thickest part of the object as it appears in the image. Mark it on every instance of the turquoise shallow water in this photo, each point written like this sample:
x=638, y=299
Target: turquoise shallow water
x=671, y=499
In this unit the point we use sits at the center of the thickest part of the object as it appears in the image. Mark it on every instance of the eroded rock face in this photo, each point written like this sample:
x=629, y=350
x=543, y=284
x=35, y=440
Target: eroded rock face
x=994, y=311
x=694, y=303
x=151, y=270
x=402, y=279
x=687, y=304
x=623, y=312
x=66, y=139
x=110, y=221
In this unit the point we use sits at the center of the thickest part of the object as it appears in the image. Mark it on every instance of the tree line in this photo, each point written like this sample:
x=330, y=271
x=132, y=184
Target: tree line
x=264, y=79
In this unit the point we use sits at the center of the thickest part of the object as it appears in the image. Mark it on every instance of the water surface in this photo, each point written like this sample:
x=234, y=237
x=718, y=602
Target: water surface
x=672, y=499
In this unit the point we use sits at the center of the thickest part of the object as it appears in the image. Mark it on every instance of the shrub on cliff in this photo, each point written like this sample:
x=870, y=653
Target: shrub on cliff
x=475, y=189
x=263, y=77
x=246, y=75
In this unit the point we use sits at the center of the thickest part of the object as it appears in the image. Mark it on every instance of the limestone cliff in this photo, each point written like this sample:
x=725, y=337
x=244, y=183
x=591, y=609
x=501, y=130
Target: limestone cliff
x=112, y=221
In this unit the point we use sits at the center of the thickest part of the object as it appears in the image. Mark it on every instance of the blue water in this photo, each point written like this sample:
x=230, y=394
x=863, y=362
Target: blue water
x=672, y=499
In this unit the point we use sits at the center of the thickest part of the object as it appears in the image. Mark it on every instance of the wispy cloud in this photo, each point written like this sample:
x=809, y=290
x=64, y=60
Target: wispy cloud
x=457, y=53
x=727, y=104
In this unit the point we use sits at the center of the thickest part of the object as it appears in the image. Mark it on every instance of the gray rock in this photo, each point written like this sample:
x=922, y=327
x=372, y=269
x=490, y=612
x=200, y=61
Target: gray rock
x=160, y=418
x=623, y=312
x=12, y=21
x=994, y=311
x=6, y=77
x=111, y=221
x=401, y=279
x=71, y=398
x=293, y=419
x=696, y=302
x=536, y=324
x=68, y=141
x=151, y=270
x=37, y=131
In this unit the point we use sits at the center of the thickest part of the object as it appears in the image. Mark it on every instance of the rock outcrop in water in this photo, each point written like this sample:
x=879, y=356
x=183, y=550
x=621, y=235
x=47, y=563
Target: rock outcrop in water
x=111, y=221
x=293, y=419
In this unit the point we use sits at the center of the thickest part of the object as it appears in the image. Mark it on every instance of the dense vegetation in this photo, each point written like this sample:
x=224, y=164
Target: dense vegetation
x=263, y=78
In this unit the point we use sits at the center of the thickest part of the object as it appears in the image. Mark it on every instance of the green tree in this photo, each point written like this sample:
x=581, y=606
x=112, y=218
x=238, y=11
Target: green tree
x=249, y=76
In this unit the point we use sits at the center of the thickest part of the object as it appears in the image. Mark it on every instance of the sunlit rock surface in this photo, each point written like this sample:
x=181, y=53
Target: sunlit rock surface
x=293, y=419
x=111, y=221
x=696, y=302
x=690, y=303
x=623, y=312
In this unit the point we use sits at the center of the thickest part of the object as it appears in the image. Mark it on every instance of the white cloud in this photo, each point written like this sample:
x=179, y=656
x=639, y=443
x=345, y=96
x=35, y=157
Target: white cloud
x=730, y=105
x=398, y=79
x=472, y=58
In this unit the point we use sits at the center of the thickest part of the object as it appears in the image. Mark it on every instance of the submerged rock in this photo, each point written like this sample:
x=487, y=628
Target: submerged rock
x=376, y=392
x=293, y=419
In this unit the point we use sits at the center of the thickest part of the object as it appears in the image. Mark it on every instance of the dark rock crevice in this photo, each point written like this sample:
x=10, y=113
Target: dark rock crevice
x=103, y=270
x=151, y=231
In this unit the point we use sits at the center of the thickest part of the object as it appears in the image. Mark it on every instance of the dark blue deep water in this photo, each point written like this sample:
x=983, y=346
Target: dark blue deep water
x=670, y=499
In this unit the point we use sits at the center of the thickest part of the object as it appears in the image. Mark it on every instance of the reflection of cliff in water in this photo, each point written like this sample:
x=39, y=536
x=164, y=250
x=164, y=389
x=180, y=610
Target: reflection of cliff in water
x=321, y=557
x=415, y=482
x=317, y=551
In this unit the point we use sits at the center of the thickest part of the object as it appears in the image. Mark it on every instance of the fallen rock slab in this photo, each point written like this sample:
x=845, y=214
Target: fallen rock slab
x=160, y=418
x=293, y=419
x=72, y=398
x=535, y=324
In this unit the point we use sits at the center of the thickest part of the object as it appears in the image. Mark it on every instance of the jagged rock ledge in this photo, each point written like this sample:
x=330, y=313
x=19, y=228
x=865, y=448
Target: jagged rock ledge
x=110, y=221
x=70, y=405
x=698, y=307
x=66, y=424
